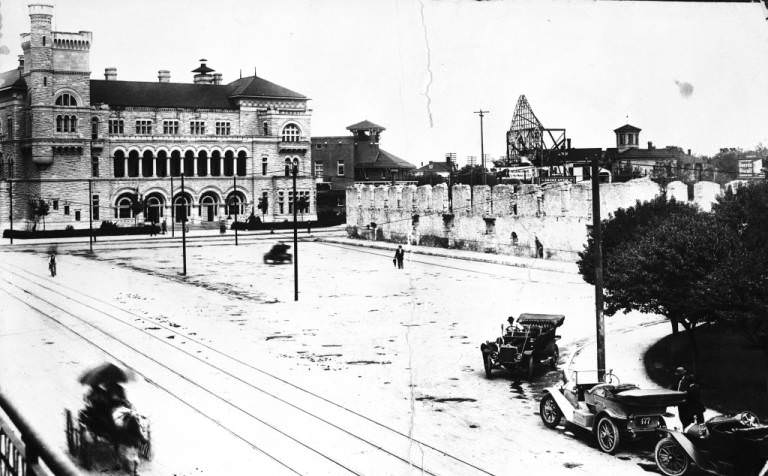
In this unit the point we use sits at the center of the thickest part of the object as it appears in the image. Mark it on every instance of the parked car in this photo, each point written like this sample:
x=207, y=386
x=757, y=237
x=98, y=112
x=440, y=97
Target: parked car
x=278, y=254
x=735, y=445
x=610, y=410
x=528, y=343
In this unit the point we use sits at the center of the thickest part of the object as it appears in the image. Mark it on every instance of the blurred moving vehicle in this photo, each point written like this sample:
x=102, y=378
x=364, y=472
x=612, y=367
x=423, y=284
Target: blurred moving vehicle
x=108, y=420
x=612, y=411
x=278, y=254
x=732, y=445
x=527, y=344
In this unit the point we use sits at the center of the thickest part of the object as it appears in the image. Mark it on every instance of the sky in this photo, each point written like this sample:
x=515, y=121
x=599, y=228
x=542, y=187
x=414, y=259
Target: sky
x=688, y=74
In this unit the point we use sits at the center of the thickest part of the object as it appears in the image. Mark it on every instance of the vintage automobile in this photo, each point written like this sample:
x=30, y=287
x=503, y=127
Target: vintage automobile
x=610, y=410
x=278, y=254
x=527, y=344
x=736, y=445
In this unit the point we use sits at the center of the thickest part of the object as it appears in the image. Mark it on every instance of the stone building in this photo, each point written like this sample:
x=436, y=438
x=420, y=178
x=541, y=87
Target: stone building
x=63, y=132
x=628, y=160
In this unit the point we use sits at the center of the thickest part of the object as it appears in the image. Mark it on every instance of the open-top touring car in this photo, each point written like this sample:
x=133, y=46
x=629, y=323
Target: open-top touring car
x=527, y=344
x=610, y=410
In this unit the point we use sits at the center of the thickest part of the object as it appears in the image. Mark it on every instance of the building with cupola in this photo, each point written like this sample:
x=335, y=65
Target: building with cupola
x=87, y=147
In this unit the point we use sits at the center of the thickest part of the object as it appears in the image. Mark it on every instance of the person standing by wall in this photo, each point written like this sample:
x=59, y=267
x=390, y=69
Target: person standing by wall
x=400, y=256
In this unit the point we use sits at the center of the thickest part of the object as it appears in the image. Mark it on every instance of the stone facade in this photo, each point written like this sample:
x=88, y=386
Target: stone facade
x=502, y=219
x=57, y=141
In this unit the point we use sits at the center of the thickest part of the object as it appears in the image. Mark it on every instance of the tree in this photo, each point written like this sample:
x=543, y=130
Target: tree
x=40, y=209
x=673, y=269
x=473, y=174
x=430, y=178
x=137, y=205
x=744, y=279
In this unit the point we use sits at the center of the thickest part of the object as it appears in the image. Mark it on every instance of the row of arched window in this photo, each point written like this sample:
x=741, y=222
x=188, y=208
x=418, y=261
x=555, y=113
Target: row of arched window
x=173, y=165
x=66, y=123
x=209, y=208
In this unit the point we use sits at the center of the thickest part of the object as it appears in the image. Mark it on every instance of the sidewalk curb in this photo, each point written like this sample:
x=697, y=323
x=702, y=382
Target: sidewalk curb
x=542, y=265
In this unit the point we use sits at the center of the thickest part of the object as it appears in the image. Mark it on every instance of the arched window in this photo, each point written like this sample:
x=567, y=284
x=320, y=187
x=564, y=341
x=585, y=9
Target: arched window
x=123, y=207
x=209, y=206
x=66, y=123
x=235, y=204
x=66, y=99
x=202, y=163
x=287, y=167
x=241, y=163
x=291, y=133
x=119, y=164
x=215, y=163
x=155, y=207
x=182, y=207
x=229, y=163
x=265, y=128
x=161, y=164
x=146, y=164
x=133, y=164
x=514, y=238
x=189, y=163
x=175, y=163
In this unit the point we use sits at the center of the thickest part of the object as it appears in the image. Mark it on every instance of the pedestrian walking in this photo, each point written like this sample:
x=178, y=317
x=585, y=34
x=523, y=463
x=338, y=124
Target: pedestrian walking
x=52, y=265
x=539, y=248
x=400, y=256
x=164, y=228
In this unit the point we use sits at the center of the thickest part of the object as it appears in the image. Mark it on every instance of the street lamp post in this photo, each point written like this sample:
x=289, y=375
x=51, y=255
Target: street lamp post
x=294, y=173
x=482, y=151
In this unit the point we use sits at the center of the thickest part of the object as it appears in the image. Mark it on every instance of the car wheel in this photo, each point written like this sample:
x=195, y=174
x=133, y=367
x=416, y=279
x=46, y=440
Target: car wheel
x=487, y=365
x=555, y=356
x=530, y=366
x=549, y=411
x=670, y=458
x=607, y=434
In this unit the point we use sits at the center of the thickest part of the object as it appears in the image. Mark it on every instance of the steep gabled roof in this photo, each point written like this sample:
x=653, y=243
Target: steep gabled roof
x=254, y=86
x=365, y=125
x=155, y=94
x=12, y=79
x=368, y=156
x=627, y=128
x=435, y=167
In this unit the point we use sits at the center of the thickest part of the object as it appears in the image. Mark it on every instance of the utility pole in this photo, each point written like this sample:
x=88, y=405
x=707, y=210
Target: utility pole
x=173, y=217
x=234, y=178
x=90, y=215
x=482, y=151
x=471, y=162
x=295, y=172
x=10, y=189
x=449, y=160
x=597, y=238
x=183, y=227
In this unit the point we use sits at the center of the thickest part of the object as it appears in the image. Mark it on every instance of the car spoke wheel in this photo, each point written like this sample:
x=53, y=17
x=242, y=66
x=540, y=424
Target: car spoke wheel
x=487, y=365
x=549, y=411
x=670, y=458
x=607, y=433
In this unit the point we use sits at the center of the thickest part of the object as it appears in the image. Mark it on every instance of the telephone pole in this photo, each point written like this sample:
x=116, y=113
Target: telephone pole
x=183, y=227
x=294, y=172
x=234, y=178
x=90, y=215
x=482, y=151
x=173, y=217
x=10, y=189
x=598, y=264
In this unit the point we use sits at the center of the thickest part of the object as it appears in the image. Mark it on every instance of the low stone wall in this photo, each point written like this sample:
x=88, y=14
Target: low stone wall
x=547, y=221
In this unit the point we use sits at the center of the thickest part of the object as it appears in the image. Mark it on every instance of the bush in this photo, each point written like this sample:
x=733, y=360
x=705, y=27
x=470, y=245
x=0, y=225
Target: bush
x=108, y=226
x=69, y=228
x=109, y=229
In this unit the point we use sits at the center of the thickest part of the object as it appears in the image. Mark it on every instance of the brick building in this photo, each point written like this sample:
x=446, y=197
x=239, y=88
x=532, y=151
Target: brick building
x=63, y=131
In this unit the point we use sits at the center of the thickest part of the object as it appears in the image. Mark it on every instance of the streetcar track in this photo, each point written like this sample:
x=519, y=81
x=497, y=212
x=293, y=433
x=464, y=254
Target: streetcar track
x=247, y=365
x=150, y=381
x=201, y=387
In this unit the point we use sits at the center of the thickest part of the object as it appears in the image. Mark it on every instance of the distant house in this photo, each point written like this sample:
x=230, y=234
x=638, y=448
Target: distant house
x=628, y=160
x=341, y=161
x=442, y=169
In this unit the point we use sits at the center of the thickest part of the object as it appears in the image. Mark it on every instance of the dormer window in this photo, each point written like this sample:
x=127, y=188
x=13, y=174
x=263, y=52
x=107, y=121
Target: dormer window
x=67, y=100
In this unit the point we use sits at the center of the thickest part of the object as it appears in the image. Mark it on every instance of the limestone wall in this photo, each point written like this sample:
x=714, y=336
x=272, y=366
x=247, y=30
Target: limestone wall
x=502, y=219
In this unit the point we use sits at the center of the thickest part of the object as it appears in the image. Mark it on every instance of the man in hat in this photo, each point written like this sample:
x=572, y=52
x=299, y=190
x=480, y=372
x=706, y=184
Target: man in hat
x=693, y=409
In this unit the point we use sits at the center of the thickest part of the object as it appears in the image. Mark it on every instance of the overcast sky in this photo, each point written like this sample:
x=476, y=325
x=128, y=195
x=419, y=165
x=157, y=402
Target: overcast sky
x=688, y=74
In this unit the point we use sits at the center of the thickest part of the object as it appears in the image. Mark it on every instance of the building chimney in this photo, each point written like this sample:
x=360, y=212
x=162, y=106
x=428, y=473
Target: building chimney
x=689, y=151
x=568, y=141
x=650, y=145
x=164, y=76
x=217, y=78
x=110, y=74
